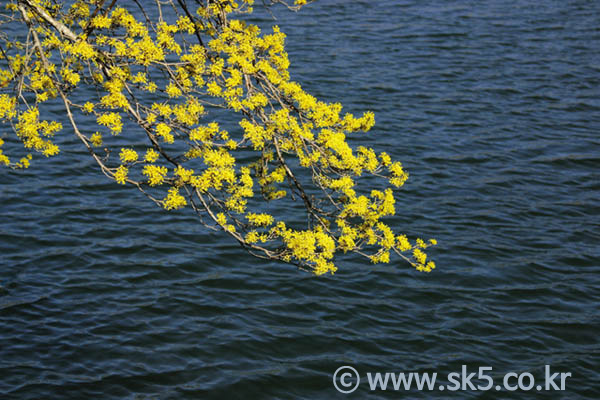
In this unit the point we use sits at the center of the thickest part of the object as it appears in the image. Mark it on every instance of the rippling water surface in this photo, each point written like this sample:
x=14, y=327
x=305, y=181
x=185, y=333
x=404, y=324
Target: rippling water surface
x=493, y=107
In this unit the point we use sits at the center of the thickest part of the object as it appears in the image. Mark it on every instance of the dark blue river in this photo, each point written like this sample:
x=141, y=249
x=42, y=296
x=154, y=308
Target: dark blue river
x=494, y=109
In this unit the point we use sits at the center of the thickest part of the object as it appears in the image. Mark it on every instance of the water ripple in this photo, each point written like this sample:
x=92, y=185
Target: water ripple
x=493, y=108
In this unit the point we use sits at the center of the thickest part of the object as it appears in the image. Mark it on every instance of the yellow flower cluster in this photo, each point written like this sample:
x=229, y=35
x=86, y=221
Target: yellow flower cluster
x=254, y=237
x=222, y=220
x=69, y=76
x=88, y=107
x=173, y=91
x=399, y=176
x=151, y=156
x=29, y=129
x=239, y=193
x=156, y=174
x=7, y=106
x=210, y=60
x=189, y=113
x=81, y=48
x=96, y=139
x=256, y=134
x=121, y=174
x=260, y=219
x=101, y=21
x=128, y=155
x=163, y=130
x=174, y=200
x=112, y=121
x=205, y=134
x=183, y=174
x=313, y=247
x=3, y=158
x=115, y=97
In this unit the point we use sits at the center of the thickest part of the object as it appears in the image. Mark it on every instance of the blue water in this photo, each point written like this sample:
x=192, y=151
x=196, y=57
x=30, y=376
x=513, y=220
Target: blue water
x=494, y=109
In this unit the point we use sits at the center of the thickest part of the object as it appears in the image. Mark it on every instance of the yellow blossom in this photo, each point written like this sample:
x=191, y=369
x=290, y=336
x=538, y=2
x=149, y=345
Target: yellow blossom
x=164, y=131
x=156, y=174
x=88, y=107
x=151, y=156
x=260, y=219
x=174, y=200
x=112, y=121
x=96, y=139
x=128, y=155
x=173, y=91
x=121, y=174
